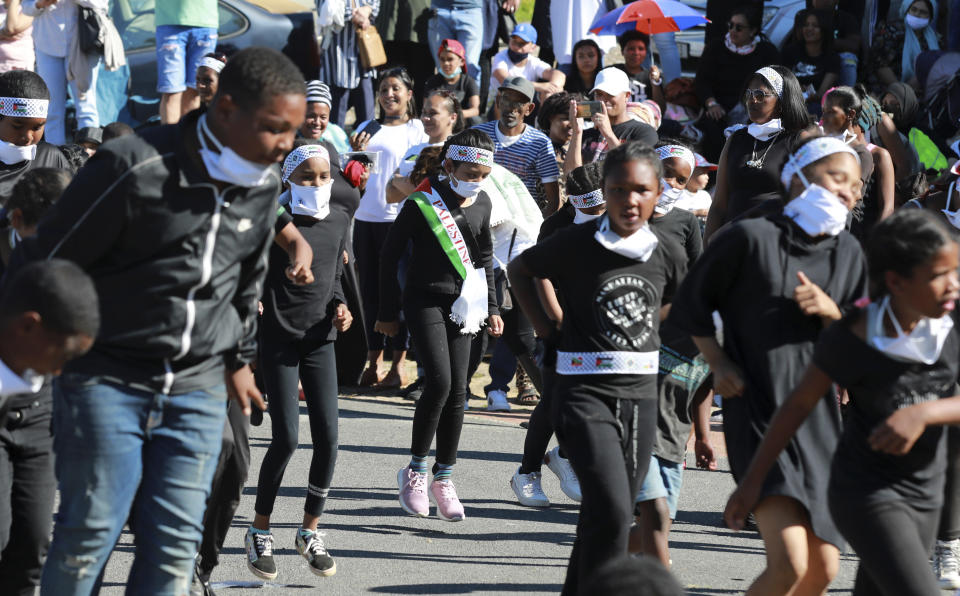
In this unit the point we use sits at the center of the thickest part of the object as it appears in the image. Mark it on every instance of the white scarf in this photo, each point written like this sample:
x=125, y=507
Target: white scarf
x=741, y=50
x=638, y=246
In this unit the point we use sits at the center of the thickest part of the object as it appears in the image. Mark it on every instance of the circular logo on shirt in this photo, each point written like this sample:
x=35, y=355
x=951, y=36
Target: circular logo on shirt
x=625, y=307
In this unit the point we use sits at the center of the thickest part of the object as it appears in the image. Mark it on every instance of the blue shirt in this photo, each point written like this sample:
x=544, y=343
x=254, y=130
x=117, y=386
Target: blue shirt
x=530, y=156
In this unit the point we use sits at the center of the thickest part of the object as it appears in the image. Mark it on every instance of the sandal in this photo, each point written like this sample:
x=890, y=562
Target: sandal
x=370, y=377
x=393, y=380
x=528, y=397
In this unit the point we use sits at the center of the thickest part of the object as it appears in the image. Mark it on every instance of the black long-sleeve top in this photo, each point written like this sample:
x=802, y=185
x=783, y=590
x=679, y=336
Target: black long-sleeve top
x=722, y=74
x=429, y=270
x=298, y=312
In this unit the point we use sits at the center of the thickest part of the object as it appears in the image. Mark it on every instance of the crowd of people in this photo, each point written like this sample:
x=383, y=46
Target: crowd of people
x=775, y=235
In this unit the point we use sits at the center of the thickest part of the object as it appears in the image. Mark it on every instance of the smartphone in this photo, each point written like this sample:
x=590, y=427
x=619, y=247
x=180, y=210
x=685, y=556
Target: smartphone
x=586, y=109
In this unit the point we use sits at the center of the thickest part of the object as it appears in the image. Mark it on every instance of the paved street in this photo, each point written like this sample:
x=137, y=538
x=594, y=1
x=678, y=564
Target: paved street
x=500, y=548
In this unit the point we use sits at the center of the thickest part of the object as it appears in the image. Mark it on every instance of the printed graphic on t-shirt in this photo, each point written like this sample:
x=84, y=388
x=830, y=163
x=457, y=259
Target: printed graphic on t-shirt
x=625, y=306
x=911, y=397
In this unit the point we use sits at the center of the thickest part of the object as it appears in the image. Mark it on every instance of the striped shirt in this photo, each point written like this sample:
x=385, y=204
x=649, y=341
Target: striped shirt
x=340, y=63
x=530, y=156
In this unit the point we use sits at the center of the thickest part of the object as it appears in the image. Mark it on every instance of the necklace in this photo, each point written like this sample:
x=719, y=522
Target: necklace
x=758, y=163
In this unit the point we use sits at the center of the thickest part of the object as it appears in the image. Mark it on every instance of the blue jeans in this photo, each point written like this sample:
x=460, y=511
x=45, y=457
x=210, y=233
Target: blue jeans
x=462, y=25
x=848, y=69
x=669, y=55
x=53, y=70
x=122, y=453
x=179, y=50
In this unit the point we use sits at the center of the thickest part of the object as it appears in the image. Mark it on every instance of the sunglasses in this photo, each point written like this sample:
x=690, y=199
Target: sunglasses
x=736, y=27
x=757, y=95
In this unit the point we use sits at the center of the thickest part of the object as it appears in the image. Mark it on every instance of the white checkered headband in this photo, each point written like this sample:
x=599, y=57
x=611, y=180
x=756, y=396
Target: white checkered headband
x=470, y=155
x=812, y=152
x=773, y=79
x=302, y=154
x=19, y=107
x=212, y=63
x=591, y=199
x=679, y=152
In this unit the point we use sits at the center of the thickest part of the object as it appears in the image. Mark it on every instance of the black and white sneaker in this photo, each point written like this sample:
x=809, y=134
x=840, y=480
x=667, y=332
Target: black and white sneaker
x=310, y=545
x=259, y=547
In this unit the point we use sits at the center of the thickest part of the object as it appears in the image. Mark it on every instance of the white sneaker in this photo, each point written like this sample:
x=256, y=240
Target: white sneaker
x=947, y=563
x=528, y=490
x=497, y=401
x=569, y=483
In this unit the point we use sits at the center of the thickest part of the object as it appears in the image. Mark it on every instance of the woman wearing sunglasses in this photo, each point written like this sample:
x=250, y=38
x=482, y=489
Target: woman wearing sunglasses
x=724, y=66
x=748, y=173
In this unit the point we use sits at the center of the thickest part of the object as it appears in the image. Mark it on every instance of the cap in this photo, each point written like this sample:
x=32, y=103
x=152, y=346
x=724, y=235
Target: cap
x=703, y=163
x=89, y=134
x=526, y=32
x=612, y=81
x=452, y=45
x=520, y=85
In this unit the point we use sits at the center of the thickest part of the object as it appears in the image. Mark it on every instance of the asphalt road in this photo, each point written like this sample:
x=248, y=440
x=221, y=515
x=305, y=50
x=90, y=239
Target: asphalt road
x=500, y=548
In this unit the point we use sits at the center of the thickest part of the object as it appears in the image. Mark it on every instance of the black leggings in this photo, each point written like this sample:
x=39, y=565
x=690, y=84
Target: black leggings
x=950, y=517
x=540, y=427
x=368, y=239
x=314, y=363
x=608, y=442
x=893, y=541
x=228, y=482
x=444, y=353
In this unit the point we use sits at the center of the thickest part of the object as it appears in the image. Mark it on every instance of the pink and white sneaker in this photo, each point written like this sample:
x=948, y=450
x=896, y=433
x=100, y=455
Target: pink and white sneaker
x=413, y=492
x=444, y=495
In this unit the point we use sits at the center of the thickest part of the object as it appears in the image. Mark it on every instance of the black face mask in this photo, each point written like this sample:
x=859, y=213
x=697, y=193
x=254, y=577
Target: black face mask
x=516, y=56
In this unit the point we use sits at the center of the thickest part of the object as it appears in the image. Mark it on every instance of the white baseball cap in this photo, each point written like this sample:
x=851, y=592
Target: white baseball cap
x=612, y=81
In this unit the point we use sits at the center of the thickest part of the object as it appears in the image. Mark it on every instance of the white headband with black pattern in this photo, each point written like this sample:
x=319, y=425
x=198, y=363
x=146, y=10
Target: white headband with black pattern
x=302, y=154
x=23, y=108
x=588, y=200
x=811, y=152
x=680, y=152
x=773, y=77
x=470, y=155
x=212, y=63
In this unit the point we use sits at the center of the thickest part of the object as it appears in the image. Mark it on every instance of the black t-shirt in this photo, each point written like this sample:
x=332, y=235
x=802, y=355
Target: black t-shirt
x=879, y=385
x=562, y=218
x=845, y=24
x=750, y=186
x=611, y=302
x=810, y=70
x=463, y=89
x=684, y=228
x=48, y=156
x=297, y=312
x=639, y=83
x=595, y=146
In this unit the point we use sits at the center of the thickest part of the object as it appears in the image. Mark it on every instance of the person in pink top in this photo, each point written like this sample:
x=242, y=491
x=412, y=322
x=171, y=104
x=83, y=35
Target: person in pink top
x=16, y=38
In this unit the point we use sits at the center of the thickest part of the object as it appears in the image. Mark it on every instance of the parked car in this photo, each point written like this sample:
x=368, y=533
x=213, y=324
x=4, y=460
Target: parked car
x=286, y=25
x=778, y=16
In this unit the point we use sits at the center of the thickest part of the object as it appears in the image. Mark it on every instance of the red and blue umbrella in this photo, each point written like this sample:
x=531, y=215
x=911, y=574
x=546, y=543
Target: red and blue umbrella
x=648, y=16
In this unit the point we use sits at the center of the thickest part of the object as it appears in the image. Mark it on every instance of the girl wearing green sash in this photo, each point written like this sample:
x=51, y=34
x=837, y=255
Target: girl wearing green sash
x=449, y=295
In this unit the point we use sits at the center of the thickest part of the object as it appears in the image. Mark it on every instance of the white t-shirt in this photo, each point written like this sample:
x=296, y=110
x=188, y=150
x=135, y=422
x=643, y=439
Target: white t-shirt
x=694, y=201
x=532, y=69
x=410, y=158
x=392, y=143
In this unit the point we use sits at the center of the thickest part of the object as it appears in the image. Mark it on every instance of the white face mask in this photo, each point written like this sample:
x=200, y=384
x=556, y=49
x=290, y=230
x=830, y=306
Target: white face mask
x=226, y=165
x=817, y=210
x=313, y=201
x=639, y=245
x=11, y=154
x=467, y=190
x=668, y=198
x=923, y=344
x=915, y=23
x=765, y=131
x=952, y=216
x=581, y=217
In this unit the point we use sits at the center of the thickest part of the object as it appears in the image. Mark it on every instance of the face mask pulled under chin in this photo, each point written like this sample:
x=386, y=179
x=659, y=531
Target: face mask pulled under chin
x=11, y=154
x=312, y=201
x=467, y=190
x=226, y=165
x=922, y=344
